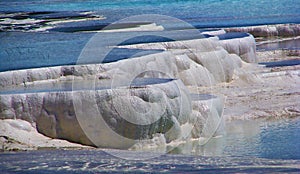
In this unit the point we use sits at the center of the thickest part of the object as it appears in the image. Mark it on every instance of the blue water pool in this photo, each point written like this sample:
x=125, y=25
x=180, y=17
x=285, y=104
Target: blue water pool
x=247, y=147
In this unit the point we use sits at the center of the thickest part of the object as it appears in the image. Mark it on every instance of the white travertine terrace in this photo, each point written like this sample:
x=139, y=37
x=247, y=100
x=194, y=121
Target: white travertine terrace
x=104, y=117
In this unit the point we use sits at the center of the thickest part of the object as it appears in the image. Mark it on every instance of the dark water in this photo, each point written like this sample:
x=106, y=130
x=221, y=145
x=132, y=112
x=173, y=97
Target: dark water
x=33, y=50
x=28, y=50
x=281, y=45
x=292, y=62
x=285, y=45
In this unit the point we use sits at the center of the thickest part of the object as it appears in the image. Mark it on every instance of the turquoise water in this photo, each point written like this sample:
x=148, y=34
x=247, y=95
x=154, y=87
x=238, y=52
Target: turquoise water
x=62, y=44
x=277, y=139
x=198, y=12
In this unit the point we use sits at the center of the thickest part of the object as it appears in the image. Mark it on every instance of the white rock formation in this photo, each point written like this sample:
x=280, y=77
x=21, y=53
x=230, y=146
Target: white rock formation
x=244, y=47
x=52, y=113
x=115, y=118
x=214, y=32
x=110, y=110
x=196, y=62
x=16, y=134
x=206, y=115
x=282, y=30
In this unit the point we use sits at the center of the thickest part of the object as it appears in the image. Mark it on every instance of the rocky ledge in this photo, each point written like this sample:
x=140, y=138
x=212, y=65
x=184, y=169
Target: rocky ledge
x=123, y=103
x=280, y=30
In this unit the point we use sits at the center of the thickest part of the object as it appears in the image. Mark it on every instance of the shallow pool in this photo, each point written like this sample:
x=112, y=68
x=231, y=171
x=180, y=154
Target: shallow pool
x=285, y=45
x=247, y=146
